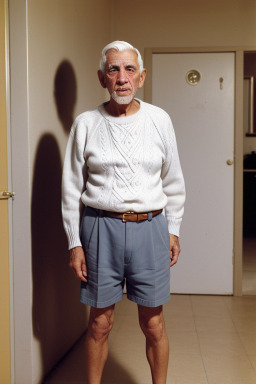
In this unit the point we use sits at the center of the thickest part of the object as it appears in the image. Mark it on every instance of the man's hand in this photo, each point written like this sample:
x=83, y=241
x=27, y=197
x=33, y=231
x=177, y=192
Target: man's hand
x=78, y=264
x=174, y=249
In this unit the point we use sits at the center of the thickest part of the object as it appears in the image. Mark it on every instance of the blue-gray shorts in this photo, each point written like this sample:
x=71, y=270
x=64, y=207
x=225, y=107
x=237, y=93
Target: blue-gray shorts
x=115, y=251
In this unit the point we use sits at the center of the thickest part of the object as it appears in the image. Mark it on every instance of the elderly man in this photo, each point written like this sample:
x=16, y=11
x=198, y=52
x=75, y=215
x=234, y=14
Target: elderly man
x=121, y=169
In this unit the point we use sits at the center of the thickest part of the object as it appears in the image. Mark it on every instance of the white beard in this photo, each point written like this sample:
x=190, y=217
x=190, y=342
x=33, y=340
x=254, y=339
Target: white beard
x=122, y=99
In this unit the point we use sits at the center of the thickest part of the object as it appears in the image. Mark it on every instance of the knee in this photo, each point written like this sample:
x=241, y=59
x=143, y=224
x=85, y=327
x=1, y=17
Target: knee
x=100, y=327
x=153, y=328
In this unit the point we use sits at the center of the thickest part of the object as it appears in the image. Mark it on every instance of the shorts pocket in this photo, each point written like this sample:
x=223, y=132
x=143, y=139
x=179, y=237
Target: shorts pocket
x=161, y=242
x=162, y=229
x=88, y=222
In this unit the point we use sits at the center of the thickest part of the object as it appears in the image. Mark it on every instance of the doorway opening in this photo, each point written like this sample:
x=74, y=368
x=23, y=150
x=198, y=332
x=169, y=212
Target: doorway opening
x=238, y=142
x=209, y=177
x=249, y=172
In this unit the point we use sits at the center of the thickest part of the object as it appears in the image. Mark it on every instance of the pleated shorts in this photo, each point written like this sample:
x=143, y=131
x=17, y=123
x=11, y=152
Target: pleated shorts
x=138, y=252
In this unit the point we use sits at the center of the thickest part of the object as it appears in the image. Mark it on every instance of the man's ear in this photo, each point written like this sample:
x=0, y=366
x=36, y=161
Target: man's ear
x=101, y=79
x=142, y=78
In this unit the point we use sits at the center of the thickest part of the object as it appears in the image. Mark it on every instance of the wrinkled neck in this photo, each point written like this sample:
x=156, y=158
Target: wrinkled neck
x=121, y=110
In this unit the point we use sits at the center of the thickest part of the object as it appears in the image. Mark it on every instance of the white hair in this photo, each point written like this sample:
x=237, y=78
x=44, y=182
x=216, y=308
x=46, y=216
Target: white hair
x=119, y=46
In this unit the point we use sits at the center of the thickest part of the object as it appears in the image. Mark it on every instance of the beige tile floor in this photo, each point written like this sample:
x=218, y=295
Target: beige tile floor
x=249, y=266
x=212, y=340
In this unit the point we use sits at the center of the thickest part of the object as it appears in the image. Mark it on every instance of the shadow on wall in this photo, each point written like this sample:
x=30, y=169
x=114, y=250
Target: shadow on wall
x=59, y=318
x=65, y=90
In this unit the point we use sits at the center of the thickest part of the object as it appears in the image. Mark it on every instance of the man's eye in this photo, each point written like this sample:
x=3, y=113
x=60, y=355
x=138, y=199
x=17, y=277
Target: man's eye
x=130, y=69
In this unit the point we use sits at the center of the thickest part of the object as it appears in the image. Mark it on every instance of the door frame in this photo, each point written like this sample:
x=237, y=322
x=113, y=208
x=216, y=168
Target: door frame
x=21, y=211
x=238, y=141
x=7, y=366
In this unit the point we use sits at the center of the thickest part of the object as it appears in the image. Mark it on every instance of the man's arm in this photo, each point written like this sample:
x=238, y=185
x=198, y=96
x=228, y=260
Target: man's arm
x=78, y=263
x=173, y=183
x=73, y=184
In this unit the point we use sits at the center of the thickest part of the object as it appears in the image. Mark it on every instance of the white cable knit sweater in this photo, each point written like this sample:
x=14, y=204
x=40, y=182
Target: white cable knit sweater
x=122, y=164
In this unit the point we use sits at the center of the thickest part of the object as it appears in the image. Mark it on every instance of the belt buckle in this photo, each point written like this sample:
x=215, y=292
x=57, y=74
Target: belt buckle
x=125, y=214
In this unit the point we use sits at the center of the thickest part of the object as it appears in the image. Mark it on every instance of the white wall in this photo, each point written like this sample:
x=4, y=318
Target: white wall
x=60, y=30
x=64, y=43
x=185, y=23
x=249, y=145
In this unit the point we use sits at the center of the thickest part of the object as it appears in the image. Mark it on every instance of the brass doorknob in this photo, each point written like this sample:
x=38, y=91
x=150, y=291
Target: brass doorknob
x=230, y=162
x=6, y=194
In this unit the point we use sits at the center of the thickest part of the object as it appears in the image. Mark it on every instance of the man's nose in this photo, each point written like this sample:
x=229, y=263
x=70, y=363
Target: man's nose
x=122, y=77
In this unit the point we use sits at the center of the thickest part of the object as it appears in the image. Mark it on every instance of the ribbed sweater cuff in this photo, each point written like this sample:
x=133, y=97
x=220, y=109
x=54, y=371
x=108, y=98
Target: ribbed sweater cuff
x=174, y=225
x=73, y=238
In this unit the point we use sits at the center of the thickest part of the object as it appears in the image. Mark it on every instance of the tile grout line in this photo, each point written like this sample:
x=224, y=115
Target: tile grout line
x=202, y=359
x=238, y=334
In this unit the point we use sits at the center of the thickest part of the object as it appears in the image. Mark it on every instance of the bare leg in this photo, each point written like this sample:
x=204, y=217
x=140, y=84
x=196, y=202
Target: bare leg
x=157, y=345
x=96, y=343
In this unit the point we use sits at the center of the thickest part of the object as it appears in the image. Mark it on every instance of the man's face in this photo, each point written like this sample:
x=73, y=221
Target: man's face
x=122, y=75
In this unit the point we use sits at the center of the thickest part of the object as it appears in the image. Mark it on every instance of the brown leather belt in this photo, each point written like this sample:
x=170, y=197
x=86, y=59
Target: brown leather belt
x=131, y=216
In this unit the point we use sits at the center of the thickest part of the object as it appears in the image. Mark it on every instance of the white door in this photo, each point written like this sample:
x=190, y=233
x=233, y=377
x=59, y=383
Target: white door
x=203, y=118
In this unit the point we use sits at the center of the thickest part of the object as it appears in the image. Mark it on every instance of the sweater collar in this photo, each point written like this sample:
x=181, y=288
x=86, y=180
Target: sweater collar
x=121, y=120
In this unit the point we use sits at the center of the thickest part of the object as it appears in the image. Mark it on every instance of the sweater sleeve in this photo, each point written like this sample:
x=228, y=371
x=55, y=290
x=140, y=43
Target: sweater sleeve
x=173, y=182
x=73, y=184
